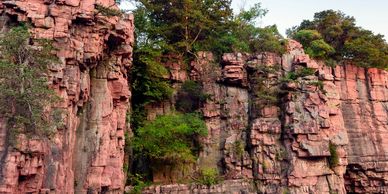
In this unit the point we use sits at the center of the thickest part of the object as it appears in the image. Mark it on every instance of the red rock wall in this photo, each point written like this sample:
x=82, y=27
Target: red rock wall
x=286, y=144
x=87, y=153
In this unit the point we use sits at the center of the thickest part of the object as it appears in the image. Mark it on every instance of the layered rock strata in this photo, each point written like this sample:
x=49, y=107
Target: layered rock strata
x=322, y=132
x=86, y=154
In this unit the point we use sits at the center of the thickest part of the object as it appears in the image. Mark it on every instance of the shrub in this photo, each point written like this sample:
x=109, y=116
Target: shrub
x=171, y=139
x=190, y=97
x=318, y=84
x=319, y=49
x=107, y=11
x=305, y=72
x=238, y=148
x=333, y=159
x=305, y=37
x=292, y=76
x=138, y=183
x=208, y=176
x=25, y=96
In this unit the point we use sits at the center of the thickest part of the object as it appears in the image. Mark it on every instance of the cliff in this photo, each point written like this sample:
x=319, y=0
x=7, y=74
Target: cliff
x=322, y=133
x=277, y=124
x=86, y=154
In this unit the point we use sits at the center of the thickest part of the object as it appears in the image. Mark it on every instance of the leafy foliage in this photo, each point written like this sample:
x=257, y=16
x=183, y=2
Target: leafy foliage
x=183, y=25
x=172, y=139
x=333, y=35
x=333, y=159
x=314, y=45
x=25, y=96
x=305, y=37
x=319, y=49
x=107, y=11
x=302, y=72
x=190, y=97
x=244, y=36
x=208, y=176
x=266, y=90
x=138, y=182
x=238, y=148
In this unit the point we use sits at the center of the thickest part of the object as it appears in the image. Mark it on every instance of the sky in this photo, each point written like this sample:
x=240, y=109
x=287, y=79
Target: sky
x=369, y=14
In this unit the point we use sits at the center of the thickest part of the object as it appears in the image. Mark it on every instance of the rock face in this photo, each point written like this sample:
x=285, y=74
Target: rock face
x=325, y=131
x=86, y=154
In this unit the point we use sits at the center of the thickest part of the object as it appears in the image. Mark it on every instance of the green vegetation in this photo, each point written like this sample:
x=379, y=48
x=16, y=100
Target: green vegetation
x=246, y=37
x=138, y=183
x=182, y=28
x=25, y=96
x=318, y=84
x=267, y=92
x=170, y=139
x=208, y=176
x=332, y=35
x=238, y=148
x=333, y=159
x=302, y=72
x=185, y=27
x=281, y=154
x=107, y=11
x=190, y=97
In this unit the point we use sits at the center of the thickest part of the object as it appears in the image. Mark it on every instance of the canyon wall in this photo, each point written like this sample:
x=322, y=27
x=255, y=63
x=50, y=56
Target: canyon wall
x=86, y=154
x=267, y=133
x=322, y=133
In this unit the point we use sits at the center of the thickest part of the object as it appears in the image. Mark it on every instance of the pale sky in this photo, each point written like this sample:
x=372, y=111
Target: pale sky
x=369, y=14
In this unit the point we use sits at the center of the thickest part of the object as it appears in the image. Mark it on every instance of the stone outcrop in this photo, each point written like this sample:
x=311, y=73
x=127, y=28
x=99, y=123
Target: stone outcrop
x=325, y=132
x=282, y=135
x=86, y=154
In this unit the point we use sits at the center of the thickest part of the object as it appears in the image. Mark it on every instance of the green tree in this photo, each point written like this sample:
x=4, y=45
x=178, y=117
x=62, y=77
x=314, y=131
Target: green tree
x=305, y=37
x=245, y=36
x=172, y=139
x=25, y=96
x=185, y=24
x=348, y=41
x=319, y=49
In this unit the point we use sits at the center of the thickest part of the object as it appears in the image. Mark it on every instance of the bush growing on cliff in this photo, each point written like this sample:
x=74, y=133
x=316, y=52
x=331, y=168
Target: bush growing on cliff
x=190, y=97
x=25, y=95
x=108, y=11
x=333, y=35
x=333, y=159
x=208, y=177
x=170, y=139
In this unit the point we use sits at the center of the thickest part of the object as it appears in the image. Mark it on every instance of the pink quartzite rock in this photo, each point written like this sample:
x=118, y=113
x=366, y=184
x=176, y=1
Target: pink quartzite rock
x=86, y=154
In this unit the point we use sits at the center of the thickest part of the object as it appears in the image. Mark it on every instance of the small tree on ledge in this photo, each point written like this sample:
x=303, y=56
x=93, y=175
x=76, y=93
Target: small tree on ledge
x=25, y=96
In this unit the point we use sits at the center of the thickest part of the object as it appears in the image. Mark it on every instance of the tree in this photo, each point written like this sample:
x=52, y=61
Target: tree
x=319, y=49
x=172, y=139
x=185, y=24
x=349, y=42
x=246, y=37
x=25, y=96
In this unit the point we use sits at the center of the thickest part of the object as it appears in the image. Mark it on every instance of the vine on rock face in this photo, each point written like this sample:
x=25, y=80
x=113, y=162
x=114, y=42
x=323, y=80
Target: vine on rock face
x=25, y=96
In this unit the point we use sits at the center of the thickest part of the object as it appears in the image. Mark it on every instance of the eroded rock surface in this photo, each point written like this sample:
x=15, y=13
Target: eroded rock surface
x=285, y=144
x=86, y=154
x=267, y=134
